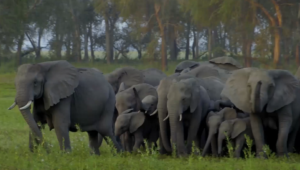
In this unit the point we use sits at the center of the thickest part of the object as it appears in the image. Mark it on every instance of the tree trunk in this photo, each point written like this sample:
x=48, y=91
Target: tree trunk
x=91, y=41
x=157, y=8
x=276, y=47
x=38, y=49
x=194, y=44
x=86, y=43
x=197, y=44
x=172, y=44
x=19, y=50
x=209, y=43
x=108, y=40
x=68, y=46
x=187, y=37
x=297, y=54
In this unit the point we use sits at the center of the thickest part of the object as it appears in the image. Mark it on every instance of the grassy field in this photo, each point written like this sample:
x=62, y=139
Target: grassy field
x=14, y=152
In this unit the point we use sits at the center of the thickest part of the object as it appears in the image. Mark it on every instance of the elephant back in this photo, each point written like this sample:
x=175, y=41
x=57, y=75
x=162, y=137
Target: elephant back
x=226, y=63
x=153, y=76
x=213, y=86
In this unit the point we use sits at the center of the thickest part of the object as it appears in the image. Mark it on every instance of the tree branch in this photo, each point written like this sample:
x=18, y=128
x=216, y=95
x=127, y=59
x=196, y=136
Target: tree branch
x=278, y=12
x=265, y=11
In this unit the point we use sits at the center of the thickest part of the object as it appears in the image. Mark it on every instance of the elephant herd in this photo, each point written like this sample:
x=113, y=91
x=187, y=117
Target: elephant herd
x=204, y=103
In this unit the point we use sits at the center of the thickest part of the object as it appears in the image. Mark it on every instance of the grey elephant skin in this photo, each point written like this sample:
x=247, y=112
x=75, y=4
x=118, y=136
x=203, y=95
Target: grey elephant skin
x=63, y=96
x=131, y=76
x=213, y=121
x=235, y=129
x=188, y=103
x=140, y=126
x=141, y=97
x=267, y=94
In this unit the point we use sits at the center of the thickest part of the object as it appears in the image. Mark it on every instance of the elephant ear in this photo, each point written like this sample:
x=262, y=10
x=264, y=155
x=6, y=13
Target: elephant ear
x=285, y=89
x=136, y=121
x=61, y=81
x=239, y=126
x=237, y=90
x=122, y=87
x=229, y=113
x=138, y=101
x=195, y=98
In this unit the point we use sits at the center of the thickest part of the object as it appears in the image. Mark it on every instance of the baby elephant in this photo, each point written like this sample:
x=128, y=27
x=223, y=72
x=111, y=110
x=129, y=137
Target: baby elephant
x=235, y=129
x=138, y=125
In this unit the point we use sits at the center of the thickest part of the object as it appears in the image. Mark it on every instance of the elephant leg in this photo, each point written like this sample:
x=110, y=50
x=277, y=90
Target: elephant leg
x=213, y=145
x=154, y=135
x=239, y=143
x=193, y=130
x=258, y=133
x=292, y=138
x=100, y=140
x=94, y=142
x=61, y=122
x=285, y=122
x=128, y=141
x=138, y=138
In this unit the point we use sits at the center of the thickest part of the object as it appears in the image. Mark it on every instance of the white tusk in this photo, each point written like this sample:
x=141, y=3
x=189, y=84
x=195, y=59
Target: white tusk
x=26, y=106
x=180, y=117
x=153, y=113
x=12, y=106
x=166, y=118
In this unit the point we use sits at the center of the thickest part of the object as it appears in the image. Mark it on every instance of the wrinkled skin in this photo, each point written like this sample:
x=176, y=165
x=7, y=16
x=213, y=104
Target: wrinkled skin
x=235, y=129
x=213, y=121
x=145, y=100
x=267, y=94
x=63, y=96
x=187, y=105
x=140, y=125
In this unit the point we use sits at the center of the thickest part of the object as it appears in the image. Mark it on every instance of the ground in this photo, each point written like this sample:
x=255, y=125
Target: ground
x=14, y=152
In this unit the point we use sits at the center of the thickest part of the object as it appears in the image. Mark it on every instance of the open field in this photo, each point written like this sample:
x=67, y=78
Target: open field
x=14, y=152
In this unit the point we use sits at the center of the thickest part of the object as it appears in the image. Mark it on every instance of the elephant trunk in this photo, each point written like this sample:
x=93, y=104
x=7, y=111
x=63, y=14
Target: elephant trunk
x=260, y=98
x=23, y=100
x=208, y=141
x=221, y=137
x=162, y=114
x=177, y=135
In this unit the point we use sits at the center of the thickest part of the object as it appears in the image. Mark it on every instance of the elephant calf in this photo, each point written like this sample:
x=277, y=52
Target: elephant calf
x=235, y=129
x=139, y=125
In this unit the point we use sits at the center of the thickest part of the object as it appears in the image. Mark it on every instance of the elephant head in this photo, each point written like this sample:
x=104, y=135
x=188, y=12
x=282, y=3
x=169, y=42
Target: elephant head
x=213, y=121
x=129, y=121
x=186, y=64
x=252, y=90
x=232, y=128
x=47, y=82
x=129, y=76
x=149, y=104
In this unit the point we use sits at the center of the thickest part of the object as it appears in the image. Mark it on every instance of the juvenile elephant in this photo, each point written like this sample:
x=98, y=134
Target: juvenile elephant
x=64, y=96
x=139, y=125
x=235, y=129
x=141, y=97
x=213, y=121
x=273, y=94
x=188, y=103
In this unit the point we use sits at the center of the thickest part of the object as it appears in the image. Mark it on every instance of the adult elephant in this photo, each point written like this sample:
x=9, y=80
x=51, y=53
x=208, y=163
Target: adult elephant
x=64, y=96
x=188, y=103
x=130, y=76
x=267, y=94
x=224, y=63
x=130, y=99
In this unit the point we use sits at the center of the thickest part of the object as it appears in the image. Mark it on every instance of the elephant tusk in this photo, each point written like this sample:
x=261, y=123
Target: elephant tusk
x=166, y=118
x=12, y=106
x=26, y=106
x=180, y=117
x=153, y=113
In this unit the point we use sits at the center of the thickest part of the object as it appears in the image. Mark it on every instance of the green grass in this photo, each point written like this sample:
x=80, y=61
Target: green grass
x=14, y=152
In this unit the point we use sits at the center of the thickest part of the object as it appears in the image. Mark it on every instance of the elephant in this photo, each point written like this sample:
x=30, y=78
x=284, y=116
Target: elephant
x=187, y=104
x=141, y=97
x=131, y=76
x=139, y=125
x=225, y=63
x=63, y=96
x=235, y=129
x=264, y=94
x=213, y=121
